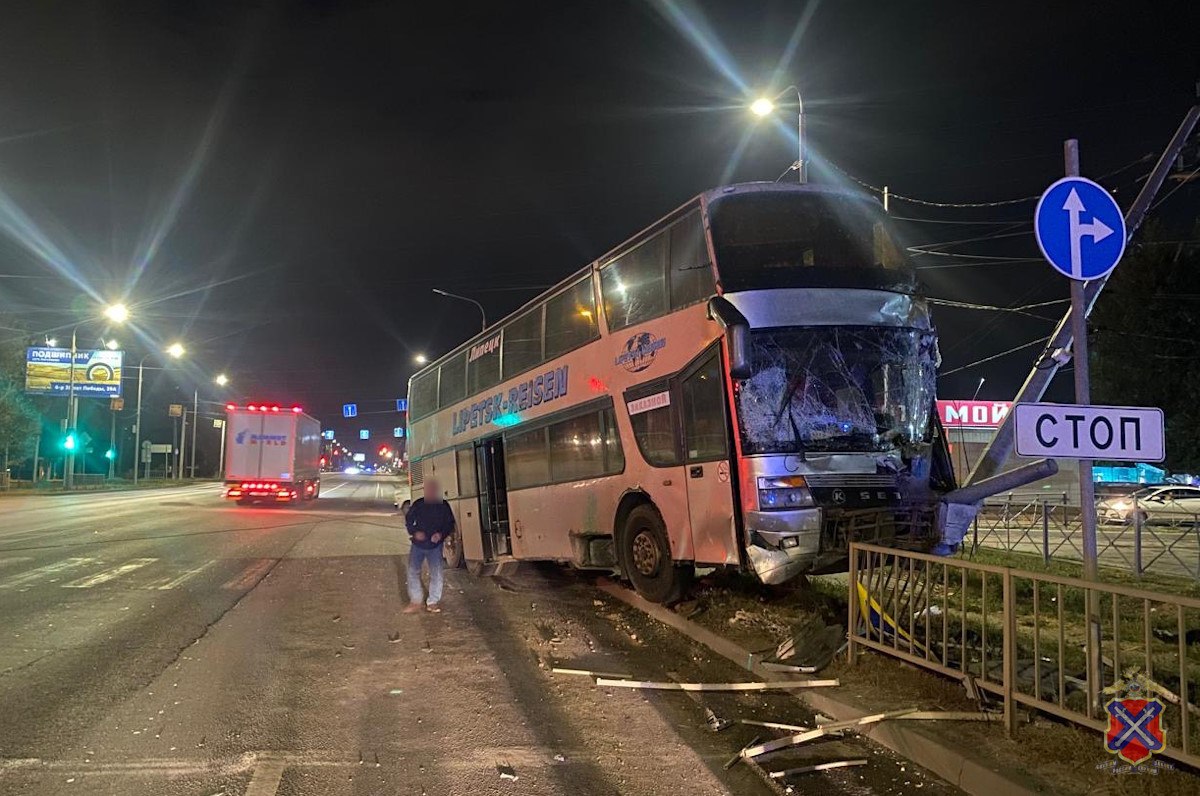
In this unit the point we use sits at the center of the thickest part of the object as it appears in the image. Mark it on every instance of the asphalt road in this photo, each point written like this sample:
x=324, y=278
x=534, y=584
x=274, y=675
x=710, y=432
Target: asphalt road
x=167, y=642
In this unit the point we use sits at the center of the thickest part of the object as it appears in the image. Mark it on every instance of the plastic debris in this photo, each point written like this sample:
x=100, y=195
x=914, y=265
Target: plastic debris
x=590, y=673
x=507, y=772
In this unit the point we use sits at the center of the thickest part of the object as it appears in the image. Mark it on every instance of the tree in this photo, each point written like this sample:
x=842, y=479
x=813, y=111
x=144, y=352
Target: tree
x=1146, y=338
x=19, y=419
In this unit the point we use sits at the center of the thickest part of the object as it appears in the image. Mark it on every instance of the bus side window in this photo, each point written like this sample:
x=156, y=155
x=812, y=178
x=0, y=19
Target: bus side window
x=691, y=274
x=656, y=435
x=704, y=414
x=634, y=285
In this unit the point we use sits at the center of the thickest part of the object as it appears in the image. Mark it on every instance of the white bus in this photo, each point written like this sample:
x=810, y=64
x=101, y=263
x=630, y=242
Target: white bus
x=747, y=383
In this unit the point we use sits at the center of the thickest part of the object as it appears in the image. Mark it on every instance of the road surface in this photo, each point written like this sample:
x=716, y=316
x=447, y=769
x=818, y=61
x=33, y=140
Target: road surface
x=166, y=642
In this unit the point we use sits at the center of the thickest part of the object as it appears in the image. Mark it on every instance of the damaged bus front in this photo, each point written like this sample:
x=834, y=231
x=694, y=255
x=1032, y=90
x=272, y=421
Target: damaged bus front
x=833, y=360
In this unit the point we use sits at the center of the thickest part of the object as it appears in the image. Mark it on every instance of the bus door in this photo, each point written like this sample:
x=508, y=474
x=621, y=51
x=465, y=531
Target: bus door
x=710, y=483
x=493, y=498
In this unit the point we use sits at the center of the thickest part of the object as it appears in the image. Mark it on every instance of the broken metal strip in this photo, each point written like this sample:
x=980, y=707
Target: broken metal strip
x=820, y=732
x=862, y=761
x=776, y=686
x=741, y=755
x=589, y=673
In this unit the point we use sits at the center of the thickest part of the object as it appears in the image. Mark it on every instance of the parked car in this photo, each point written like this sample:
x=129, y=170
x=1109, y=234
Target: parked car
x=1155, y=504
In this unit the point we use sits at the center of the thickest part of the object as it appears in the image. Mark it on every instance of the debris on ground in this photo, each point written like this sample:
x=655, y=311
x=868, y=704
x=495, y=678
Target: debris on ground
x=741, y=755
x=507, y=771
x=771, y=666
x=781, y=685
x=815, y=642
x=590, y=673
x=862, y=761
x=820, y=732
x=774, y=725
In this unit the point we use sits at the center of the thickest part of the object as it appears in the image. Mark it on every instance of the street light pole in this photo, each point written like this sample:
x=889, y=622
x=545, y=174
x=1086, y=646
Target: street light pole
x=482, y=313
x=72, y=411
x=195, y=419
x=764, y=107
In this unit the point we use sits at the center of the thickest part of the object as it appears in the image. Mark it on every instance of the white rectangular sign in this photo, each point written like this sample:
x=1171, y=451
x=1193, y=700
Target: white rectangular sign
x=656, y=401
x=1107, y=433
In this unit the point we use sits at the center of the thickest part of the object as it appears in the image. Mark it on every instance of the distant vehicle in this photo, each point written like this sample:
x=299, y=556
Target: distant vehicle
x=273, y=454
x=748, y=383
x=351, y=471
x=1161, y=504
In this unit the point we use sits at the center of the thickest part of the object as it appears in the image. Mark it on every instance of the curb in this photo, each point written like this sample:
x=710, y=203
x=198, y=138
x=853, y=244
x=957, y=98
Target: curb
x=947, y=762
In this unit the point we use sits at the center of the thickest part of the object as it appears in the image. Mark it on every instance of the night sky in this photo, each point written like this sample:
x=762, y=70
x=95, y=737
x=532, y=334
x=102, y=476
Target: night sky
x=282, y=184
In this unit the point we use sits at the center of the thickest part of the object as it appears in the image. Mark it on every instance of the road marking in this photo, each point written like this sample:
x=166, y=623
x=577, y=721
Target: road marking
x=109, y=574
x=46, y=571
x=266, y=778
x=251, y=574
x=333, y=488
x=7, y=562
x=180, y=579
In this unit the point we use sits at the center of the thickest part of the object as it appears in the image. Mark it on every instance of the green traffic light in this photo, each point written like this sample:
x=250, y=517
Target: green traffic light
x=69, y=442
x=110, y=454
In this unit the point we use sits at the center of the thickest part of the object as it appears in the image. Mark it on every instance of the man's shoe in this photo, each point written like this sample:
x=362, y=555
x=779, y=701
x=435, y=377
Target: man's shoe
x=412, y=608
x=433, y=608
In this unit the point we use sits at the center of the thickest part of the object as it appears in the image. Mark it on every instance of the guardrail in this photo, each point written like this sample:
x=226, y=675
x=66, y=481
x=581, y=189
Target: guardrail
x=1137, y=540
x=1022, y=636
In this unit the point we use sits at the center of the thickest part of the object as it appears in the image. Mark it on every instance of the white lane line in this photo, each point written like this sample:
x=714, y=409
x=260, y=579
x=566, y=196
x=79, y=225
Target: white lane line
x=45, y=572
x=325, y=492
x=172, y=583
x=266, y=778
x=109, y=574
x=250, y=575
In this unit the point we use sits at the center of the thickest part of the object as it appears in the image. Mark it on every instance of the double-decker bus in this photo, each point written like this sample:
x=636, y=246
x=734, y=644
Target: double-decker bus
x=747, y=383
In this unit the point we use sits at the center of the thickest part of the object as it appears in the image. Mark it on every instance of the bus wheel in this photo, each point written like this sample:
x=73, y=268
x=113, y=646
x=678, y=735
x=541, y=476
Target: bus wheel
x=647, y=555
x=452, y=552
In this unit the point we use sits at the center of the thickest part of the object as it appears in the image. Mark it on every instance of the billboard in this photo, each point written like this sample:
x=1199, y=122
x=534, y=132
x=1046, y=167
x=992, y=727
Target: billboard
x=97, y=373
x=973, y=414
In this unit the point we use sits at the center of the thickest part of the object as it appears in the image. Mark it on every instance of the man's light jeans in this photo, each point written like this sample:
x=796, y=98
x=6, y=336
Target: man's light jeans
x=416, y=555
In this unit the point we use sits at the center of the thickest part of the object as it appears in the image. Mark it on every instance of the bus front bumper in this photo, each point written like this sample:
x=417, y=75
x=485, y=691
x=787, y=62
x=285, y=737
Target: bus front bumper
x=783, y=544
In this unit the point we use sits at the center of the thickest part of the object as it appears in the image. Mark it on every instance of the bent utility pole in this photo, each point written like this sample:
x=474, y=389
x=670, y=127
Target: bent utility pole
x=1047, y=366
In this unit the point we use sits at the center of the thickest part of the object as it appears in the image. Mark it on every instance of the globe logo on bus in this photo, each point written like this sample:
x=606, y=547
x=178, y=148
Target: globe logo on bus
x=639, y=351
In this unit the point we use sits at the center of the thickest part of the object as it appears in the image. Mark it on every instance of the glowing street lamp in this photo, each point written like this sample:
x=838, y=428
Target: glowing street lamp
x=117, y=313
x=420, y=359
x=765, y=106
x=221, y=379
x=176, y=350
x=112, y=345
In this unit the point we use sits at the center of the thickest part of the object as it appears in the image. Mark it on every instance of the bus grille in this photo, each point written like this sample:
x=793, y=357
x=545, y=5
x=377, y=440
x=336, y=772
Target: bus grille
x=851, y=480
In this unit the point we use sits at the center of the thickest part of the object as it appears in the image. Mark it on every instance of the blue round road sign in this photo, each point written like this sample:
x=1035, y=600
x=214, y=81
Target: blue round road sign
x=1079, y=228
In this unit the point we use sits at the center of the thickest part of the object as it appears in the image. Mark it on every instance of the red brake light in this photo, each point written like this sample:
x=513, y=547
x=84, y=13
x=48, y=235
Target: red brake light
x=251, y=408
x=297, y=409
x=274, y=408
x=230, y=407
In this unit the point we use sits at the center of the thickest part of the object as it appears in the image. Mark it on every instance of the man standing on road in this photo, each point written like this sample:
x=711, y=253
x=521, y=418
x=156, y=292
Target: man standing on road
x=429, y=522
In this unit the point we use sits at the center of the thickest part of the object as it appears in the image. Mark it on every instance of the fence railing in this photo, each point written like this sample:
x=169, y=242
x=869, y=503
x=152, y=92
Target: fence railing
x=1022, y=636
x=1139, y=538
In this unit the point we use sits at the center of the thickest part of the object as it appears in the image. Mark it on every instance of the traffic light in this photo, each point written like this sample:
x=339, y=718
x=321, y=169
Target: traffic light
x=383, y=450
x=68, y=442
x=110, y=454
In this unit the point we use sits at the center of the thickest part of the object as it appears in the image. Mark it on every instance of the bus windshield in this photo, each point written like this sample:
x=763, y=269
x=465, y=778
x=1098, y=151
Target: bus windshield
x=837, y=388
x=774, y=239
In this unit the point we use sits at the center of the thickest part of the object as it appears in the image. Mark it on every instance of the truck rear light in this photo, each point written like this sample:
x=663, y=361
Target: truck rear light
x=274, y=408
x=297, y=409
x=251, y=408
x=230, y=407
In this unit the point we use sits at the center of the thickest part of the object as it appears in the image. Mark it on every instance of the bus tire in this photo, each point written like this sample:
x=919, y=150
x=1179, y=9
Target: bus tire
x=452, y=552
x=647, y=555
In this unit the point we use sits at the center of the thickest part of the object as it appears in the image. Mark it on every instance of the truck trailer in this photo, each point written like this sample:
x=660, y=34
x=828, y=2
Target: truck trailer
x=273, y=454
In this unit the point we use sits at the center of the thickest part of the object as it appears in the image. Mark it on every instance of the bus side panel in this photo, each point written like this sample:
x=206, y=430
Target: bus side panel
x=544, y=518
x=710, y=499
x=466, y=514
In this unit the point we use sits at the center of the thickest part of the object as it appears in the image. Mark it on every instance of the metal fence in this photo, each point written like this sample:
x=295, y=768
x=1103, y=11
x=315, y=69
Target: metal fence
x=1022, y=636
x=1139, y=539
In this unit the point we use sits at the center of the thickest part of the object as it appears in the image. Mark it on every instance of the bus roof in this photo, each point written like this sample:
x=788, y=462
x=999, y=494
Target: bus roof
x=707, y=197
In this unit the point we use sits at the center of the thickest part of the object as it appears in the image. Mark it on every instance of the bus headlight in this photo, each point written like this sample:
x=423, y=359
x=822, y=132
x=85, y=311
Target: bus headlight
x=781, y=493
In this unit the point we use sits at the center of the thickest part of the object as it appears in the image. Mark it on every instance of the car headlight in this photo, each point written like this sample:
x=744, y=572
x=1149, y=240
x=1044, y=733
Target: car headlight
x=783, y=492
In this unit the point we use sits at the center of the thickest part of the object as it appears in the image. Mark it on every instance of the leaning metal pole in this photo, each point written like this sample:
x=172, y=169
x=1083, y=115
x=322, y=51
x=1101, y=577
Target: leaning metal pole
x=1047, y=366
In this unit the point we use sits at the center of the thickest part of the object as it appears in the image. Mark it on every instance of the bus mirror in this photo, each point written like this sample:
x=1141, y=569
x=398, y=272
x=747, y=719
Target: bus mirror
x=737, y=335
x=737, y=340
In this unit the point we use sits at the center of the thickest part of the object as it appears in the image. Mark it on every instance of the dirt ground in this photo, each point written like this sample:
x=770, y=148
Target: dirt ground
x=1064, y=757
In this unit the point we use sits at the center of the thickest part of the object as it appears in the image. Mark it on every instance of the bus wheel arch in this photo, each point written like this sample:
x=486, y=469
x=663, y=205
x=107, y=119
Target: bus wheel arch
x=644, y=551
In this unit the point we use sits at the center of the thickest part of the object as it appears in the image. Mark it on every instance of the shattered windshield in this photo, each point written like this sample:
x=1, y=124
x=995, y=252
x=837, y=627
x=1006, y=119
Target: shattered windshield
x=836, y=388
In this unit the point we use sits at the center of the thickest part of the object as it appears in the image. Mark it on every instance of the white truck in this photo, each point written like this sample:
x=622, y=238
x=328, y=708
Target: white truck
x=273, y=454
